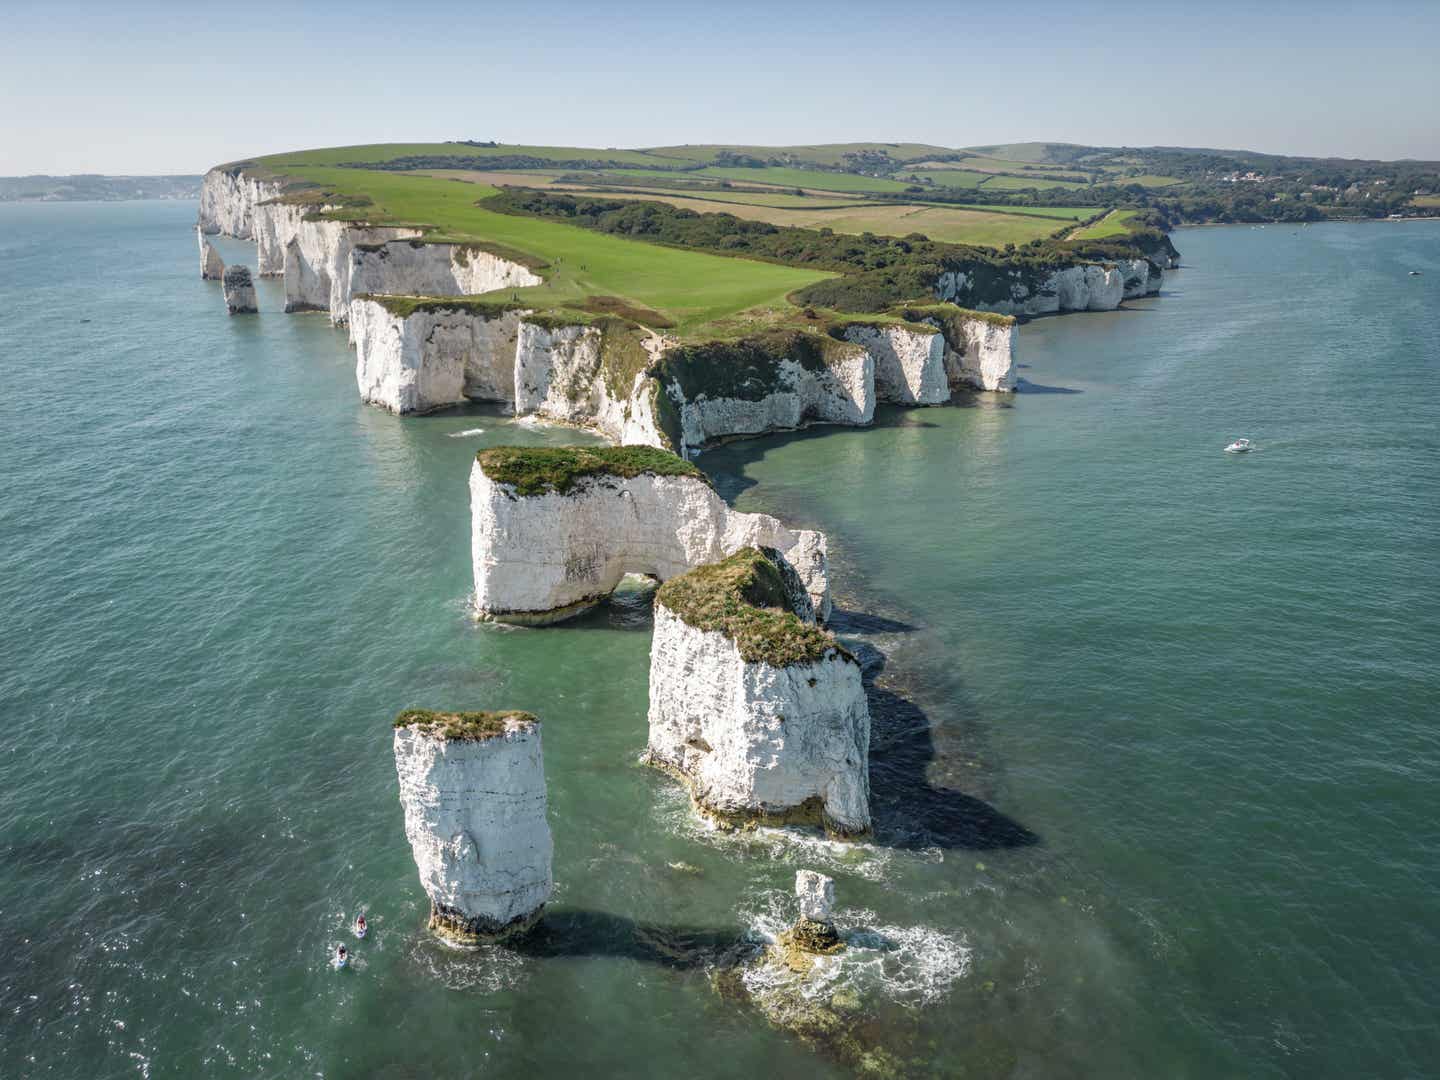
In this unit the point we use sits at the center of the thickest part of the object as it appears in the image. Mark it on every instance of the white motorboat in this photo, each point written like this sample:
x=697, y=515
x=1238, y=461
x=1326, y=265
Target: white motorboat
x=1239, y=446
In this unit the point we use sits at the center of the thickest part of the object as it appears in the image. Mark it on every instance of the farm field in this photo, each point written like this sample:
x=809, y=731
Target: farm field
x=390, y=151
x=831, y=154
x=955, y=224
x=960, y=178
x=1112, y=224
x=690, y=288
x=1148, y=180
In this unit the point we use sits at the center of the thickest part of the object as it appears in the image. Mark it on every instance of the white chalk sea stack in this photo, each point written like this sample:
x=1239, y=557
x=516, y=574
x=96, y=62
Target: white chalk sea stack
x=761, y=713
x=239, y=290
x=553, y=530
x=212, y=267
x=816, y=894
x=472, y=785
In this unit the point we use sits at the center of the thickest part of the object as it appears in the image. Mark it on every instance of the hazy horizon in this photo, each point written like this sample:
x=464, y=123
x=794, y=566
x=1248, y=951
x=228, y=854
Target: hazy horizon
x=146, y=90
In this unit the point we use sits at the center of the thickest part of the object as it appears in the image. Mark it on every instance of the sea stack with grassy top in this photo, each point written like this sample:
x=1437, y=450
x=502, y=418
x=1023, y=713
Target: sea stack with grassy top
x=473, y=788
x=554, y=529
x=239, y=290
x=760, y=712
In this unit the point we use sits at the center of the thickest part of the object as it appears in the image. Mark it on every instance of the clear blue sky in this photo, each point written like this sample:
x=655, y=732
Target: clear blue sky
x=158, y=87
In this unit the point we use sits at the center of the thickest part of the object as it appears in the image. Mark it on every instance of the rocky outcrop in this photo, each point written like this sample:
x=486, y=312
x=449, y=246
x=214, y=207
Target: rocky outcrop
x=212, y=267
x=239, y=290
x=909, y=364
x=553, y=530
x=417, y=356
x=473, y=789
x=761, y=714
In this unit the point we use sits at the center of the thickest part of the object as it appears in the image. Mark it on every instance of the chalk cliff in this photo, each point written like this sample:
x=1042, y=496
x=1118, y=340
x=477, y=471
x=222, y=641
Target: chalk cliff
x=909, y=364
x=473, y=789
x=762, y=714
x=212, y=267
x=228, y=198
x=591, y=374
x=416, y=356
x=554, y=530
x=325, y=263
x=239, y=290
x=768, y=382
x=1090, y=287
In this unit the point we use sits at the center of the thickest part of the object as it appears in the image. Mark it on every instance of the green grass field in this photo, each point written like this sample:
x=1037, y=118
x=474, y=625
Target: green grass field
x=820, y=154
x=1426, y=200
x=961, y=225
x=691, y=288
x=390, y=151
x=966, y=180
x=1069, y=213
x=1112, y=224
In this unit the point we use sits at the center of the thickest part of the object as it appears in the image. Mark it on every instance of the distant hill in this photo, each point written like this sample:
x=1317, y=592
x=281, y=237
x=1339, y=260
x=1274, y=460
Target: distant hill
x=94, y=188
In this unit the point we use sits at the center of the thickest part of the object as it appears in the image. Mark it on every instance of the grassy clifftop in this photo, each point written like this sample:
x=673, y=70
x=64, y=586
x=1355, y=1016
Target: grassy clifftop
x=464, y=726
x=542, y=470
x=743, y=597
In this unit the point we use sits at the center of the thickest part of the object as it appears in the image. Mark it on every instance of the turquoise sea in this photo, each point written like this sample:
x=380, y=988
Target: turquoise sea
x=1156, y=746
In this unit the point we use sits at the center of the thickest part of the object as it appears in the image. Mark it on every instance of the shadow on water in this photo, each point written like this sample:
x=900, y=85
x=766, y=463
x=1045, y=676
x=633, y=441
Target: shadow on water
x=907, y=810
x=1025, y=386
x=576, y=934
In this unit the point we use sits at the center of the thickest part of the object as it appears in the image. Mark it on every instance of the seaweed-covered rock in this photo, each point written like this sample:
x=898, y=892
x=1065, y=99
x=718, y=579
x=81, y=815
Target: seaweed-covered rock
x=762, y=714
x=554, y=529
x=473, y=788
x=239, y=290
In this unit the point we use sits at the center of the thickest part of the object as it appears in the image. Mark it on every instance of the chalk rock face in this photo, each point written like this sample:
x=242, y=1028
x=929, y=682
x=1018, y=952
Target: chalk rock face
x=318, y=265
x=239, y=290
x=212, y=267
x=227, y=201
x=758, y=741
x=1089, y=287
x=415, y=268
x=562, y=374
x=983, y=357
x=816, y=894
x=473, y=789
x=273, y=226
x=839, y=391
x=909, y=366
x=543, y=558
x=433, y=357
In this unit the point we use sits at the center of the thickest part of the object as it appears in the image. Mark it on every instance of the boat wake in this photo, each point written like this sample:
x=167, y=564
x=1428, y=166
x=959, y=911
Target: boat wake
x=467, y=433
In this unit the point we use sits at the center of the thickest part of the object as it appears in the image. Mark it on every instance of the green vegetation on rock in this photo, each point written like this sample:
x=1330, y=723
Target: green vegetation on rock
x=744, y=598
x=466, y=726
x=540, y=470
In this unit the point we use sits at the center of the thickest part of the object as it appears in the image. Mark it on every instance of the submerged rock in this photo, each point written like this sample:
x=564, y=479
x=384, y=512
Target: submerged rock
x=239, y=290
x=554, y=530
x=473, y=788
x=212, y=267
x=760, y=713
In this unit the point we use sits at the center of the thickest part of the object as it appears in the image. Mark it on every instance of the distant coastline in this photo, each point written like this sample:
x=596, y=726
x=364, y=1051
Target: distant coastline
x=92, y=187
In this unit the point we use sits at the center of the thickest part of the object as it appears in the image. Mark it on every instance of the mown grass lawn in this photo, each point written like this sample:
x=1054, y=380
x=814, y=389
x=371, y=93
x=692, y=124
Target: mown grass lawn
x=690, y=287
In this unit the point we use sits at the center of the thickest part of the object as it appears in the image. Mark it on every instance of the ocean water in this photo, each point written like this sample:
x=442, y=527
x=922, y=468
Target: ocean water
x=1155, y=727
